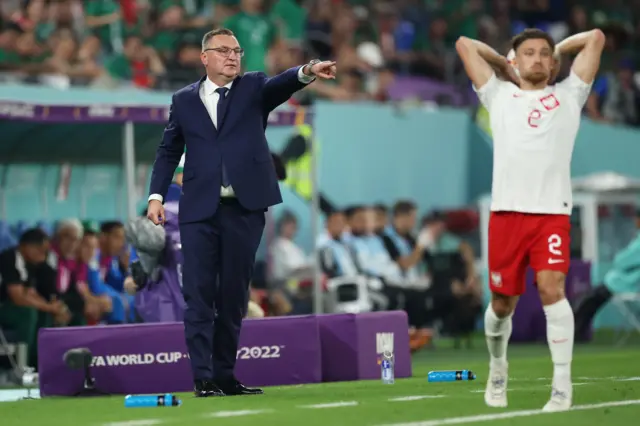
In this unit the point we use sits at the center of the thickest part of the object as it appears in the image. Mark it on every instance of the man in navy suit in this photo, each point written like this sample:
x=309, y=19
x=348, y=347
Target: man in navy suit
x=229, y=182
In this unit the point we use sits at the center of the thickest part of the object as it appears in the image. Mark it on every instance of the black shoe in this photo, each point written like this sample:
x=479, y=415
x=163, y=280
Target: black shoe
x=205, y=388
x=234, y=387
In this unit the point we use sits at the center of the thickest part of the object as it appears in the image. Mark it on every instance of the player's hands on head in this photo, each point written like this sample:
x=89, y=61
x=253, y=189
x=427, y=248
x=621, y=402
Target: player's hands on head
x=155, y=212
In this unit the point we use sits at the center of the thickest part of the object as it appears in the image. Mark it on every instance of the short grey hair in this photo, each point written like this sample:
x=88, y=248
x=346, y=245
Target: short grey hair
x=211, y=34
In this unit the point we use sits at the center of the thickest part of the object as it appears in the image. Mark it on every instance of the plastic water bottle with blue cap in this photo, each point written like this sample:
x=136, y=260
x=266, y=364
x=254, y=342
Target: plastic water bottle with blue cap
x=166, y=400
x=387, y=365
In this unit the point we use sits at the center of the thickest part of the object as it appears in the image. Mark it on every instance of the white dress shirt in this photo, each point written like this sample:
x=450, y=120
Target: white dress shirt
x=210, y=99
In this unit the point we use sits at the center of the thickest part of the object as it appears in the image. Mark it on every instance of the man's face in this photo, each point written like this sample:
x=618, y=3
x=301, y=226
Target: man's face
x=223, y=59
x=335, y=224
x=88, y=248
x=67, y=240
x=381, y=219
x=534, y=60
x=405, y=222
x=115, y=241
x=36, y=254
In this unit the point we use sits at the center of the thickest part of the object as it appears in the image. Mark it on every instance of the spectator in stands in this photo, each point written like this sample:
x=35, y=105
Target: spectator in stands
x=256, y=33
x=137, y=63
x=22, y=309
x=616, y=97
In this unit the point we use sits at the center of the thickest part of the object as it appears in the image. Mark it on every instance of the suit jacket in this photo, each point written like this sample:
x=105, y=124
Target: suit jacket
x=240, y=139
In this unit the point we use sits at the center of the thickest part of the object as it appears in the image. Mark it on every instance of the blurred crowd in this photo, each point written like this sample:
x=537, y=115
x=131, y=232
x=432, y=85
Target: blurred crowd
x=156, y=43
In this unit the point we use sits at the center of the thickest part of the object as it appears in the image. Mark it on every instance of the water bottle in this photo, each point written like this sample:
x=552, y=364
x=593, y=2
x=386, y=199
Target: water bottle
x=450, y=376
x=387, y=367
x=167, y=400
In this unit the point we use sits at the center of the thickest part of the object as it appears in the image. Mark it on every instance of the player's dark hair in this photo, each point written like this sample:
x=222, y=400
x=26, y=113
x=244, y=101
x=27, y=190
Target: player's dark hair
x=532, y=34
x=33, y=237
x=89, y=233
x=403, y=207
x=108, y=227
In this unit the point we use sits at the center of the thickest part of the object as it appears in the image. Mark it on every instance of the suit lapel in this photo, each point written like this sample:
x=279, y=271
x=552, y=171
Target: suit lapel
x=198, y=110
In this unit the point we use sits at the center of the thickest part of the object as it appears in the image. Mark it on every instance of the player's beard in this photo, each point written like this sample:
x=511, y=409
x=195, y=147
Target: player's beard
x=536, y=77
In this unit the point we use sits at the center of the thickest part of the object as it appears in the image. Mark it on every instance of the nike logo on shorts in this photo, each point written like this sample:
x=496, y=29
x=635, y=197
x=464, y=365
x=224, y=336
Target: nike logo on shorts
x=552, y=261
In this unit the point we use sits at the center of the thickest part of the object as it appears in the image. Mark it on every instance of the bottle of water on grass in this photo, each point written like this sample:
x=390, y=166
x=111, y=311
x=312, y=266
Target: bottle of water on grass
x=387, y=368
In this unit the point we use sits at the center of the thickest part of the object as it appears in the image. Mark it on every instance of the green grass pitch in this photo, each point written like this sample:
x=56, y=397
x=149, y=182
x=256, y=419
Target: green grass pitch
x=607, y=391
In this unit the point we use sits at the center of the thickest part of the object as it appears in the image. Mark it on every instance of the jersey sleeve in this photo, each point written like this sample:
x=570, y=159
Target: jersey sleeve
x=489, y=91
x=577, y=89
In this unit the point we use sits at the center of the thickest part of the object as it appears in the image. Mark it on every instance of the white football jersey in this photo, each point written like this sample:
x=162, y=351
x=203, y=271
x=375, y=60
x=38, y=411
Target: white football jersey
x=533, y=137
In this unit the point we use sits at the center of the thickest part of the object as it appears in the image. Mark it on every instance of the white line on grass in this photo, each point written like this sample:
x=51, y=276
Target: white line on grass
x=144, y=422
x=237, y=413
x=512, y=414
x=414, y=398
x=332, y=404
x=526, y=389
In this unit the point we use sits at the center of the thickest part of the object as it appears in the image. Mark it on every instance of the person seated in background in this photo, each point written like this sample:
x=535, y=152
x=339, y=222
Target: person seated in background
x=111, y=303
x=57, y=277
x=290, y=267
x=23, y=310
x=372, y=257
x=408, y=252
x=336, y=257
x=456, y=292
x=112, y=257
x=623, y=277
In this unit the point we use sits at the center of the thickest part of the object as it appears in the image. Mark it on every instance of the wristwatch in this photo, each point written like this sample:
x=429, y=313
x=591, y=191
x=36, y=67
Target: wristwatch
x=310, y=64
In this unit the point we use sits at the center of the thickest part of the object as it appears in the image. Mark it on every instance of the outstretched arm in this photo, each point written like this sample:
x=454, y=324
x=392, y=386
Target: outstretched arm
x=278, y=89
x=481, y=62
x=589, y=46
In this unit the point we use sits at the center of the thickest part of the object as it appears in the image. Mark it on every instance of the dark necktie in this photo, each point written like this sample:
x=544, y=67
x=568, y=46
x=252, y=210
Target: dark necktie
x=222, y=106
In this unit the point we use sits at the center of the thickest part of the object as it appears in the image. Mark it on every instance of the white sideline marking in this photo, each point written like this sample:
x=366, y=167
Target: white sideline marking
x=237, y=413
x=147, y=422
x=414, y=398
x=332, y=404
x=513, y=414
x=526, y=389
x=628, y=379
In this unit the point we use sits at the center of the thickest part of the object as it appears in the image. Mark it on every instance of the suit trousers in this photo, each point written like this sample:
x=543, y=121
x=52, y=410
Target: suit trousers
x=219, y=254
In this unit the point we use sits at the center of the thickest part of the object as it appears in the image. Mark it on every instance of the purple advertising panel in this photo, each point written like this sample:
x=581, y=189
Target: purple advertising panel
x=152, y=358
x=352, y=344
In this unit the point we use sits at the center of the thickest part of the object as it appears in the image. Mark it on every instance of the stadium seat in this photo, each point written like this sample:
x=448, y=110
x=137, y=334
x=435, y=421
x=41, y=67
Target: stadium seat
x=62, y=191
x=23, y=195
x=101, y=193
